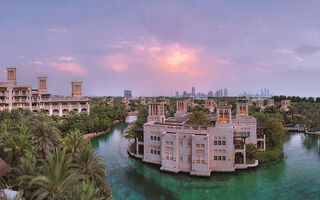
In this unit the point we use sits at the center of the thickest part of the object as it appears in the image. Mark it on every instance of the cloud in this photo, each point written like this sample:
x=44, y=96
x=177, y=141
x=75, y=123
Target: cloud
x=70, y=67
x=284, y=51
x=152, y=55
x=299, y=59
x=37, y=62
x=177, y=59
x=117, y=62
x=57, y=30
x=307, y=49
x=66, y=58
x=63, y=63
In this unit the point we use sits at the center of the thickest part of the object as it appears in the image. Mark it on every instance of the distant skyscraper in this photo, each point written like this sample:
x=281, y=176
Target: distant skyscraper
x=193, y=93
x=225, y=92
x=185, y=94
x=210, y=94
x=128, y=93
x=177, y=94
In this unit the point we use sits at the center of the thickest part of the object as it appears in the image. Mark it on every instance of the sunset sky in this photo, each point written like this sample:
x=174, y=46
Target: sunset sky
x=159, y=47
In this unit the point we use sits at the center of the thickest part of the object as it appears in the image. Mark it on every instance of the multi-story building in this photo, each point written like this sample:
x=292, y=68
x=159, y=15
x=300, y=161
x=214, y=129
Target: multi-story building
x=285, y=104
x=210, y=104
x=260, y=103
x=127, y=94
x=270, y=102
x=13, y=96
x=225, y=92
x=193, y=92
x=200, y=150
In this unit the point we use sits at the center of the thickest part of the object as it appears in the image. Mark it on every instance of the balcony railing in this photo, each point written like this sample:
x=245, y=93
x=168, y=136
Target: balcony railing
x=238, y=146
x=241, y=134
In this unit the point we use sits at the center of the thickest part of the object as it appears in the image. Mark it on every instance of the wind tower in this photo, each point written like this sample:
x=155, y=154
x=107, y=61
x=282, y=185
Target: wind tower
x=156, y=112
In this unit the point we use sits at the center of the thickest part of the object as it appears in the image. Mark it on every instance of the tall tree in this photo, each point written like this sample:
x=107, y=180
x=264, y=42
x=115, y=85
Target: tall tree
x=57, y=178
x=46, y=134
x=91, y=165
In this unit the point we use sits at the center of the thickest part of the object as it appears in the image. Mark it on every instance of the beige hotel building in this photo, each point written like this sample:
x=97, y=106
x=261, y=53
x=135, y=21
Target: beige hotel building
x=13, y=96
x=200, y=150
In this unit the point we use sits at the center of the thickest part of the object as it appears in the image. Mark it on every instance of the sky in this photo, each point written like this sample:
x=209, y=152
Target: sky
x=159, y=47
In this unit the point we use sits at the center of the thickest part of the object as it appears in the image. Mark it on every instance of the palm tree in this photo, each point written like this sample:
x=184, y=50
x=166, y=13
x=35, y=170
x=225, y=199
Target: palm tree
x=15, y=145
x=57, y=178
x=91, y=165
x=251, y=152
x=25, y=173
x=199, y=118
x=87, y=191
x=74, y=141
x=46, y=134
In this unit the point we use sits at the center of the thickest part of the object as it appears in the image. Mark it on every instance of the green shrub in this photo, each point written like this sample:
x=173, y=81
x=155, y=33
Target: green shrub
x=269, y=156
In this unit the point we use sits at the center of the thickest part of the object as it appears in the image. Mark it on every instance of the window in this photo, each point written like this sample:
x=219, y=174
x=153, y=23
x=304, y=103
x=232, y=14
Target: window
x=215, y=157
x=197, y=145
x=202, y=161
x=215, y=142
x=171, y=143
x=167, y=142
x=151, y=137
x=158, y=138
x=224, y=142
x=202, y=145
x=198, y=161
x=223, y=158
x=219, y=157
x=189, y=159
x=158, y=152
x=152, y=151
x=219, y=142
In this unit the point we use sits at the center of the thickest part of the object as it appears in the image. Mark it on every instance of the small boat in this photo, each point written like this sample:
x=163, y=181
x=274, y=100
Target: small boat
x=313, y=132
x=309, y=132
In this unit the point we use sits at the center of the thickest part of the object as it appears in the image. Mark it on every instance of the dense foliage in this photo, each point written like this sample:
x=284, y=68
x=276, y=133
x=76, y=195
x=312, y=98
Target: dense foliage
x=101, y=117
x=134, y=131
x=49, y=155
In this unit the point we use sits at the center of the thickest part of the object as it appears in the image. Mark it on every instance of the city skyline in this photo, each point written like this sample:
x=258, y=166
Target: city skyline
x=157, y=48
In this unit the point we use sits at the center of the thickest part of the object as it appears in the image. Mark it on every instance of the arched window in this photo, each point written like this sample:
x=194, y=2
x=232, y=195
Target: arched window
x=226, y=116
x=221, y=116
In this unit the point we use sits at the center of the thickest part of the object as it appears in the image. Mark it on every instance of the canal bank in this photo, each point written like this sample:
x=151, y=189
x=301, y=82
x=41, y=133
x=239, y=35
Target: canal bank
x=296, y=176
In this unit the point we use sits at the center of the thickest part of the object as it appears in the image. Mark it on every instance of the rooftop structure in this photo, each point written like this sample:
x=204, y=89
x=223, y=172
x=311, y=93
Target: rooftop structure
x=13, y=96
x=285, y=104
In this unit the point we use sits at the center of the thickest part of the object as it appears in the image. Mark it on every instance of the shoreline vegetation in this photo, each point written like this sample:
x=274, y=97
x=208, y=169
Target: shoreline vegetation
x=96, y=134
x=37, y=146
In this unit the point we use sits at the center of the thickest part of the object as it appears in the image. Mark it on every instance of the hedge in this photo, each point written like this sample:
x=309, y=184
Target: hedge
x=269, y=156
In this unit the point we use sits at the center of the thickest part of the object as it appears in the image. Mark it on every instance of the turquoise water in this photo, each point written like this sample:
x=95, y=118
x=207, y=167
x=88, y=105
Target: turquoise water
x=296, y=176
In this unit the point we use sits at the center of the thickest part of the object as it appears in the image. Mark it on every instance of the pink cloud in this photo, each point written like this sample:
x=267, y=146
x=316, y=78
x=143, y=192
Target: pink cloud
x=299, y=59
x=70, y=67
x=37, y=62
x=66, y=58
x=117, y=62
x=163, y=59
x=176, y=59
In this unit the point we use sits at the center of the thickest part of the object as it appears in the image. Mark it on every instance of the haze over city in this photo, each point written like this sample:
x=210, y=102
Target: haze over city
x=159, y=47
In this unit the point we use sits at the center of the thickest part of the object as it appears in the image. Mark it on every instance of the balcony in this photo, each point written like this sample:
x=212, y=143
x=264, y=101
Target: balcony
x=241, y=134
x=238, y=144
x=260, y=136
